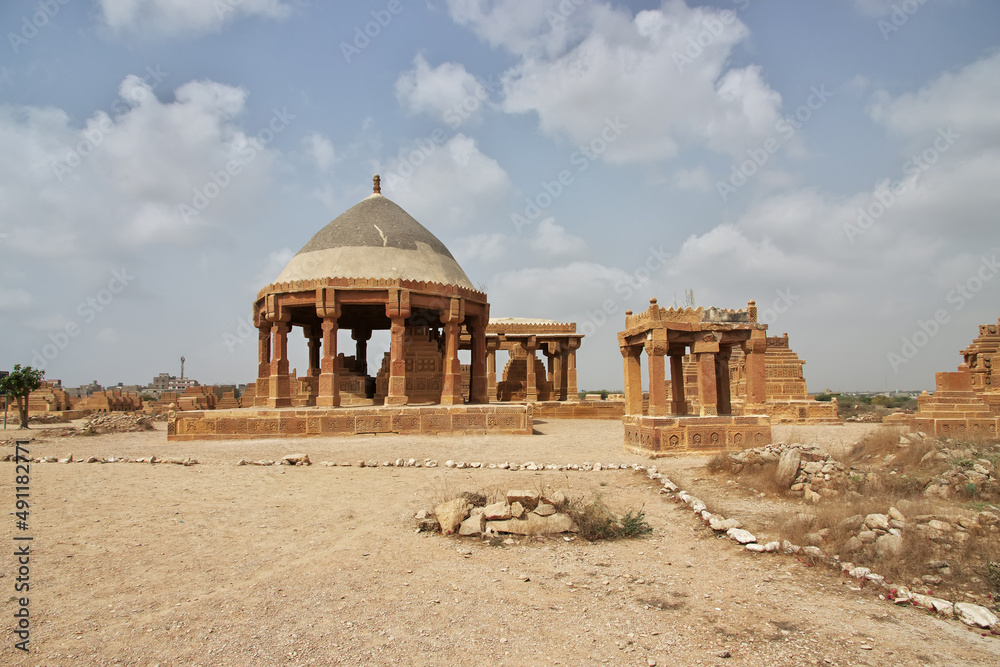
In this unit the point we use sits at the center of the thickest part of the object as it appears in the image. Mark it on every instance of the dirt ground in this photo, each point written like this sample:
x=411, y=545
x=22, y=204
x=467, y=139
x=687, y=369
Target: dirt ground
x=219, y=564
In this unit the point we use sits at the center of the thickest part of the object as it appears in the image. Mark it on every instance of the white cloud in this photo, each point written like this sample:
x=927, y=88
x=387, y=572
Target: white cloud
x=696, y=179
x=965, y=100
x=119, y=181
x=900, y=269
x=14, y=299
x=552, y=240
x=108, y=335
x=654, y=76
x=595, y=296
x=276, y=261
x=882, y=8
x=451, y=184
x=480, y=248
x=558, y=292
x=447, y=92
x=520, y=27
x=874, y=7
x=320, y=149
x=182, y=17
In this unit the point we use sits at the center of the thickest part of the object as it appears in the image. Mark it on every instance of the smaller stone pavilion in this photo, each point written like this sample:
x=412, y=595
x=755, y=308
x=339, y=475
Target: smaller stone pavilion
x=526, y=377
x=372, y=268
x=549, y=385
x=664, y=427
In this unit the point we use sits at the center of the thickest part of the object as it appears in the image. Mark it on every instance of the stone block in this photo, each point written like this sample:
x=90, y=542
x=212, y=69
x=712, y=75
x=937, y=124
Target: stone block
x=292, y=426
x=373, y=423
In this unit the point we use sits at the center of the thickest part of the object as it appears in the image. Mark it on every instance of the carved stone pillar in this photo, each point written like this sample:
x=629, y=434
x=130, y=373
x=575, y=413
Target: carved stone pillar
x=571, y=390
x=492, y=344
x=452, y=316
x=478, y=381
x=557, y=371
x=678, y=404
x=708, y=396
x=397, y=309
x=264, y=349
x=396, y=394
x=313, y=335
x=655, y=351
x=755, y=349
x=361, y=350
x=550, y=372
x=631, y=358
x=279, y=384
x=451, y=387
x=329, y=384
x=531, y=391
x=722, y=380
x=263, y=363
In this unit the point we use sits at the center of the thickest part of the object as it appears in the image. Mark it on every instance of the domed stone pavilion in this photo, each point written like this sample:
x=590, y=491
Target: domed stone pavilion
x=373, y=268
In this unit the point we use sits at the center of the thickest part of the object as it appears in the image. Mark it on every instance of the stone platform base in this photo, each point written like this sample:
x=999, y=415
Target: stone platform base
x=662, y=436
x=949, y=427
x=246, y=423
x=579, y=409
x=806, y=412
x=803, y=412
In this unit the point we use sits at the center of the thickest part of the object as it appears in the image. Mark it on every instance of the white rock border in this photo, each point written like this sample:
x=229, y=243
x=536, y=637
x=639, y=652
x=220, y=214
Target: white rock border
x=972, y=615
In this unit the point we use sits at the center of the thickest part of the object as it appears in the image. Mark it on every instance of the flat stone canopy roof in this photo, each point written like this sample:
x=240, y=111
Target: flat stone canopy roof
x=375, y=238
x=521, y=320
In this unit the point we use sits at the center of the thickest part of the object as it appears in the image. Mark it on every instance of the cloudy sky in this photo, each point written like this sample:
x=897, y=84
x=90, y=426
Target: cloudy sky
x=836, y=161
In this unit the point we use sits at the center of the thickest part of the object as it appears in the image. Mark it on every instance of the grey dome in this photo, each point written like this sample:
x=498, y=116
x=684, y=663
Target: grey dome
x=375, y=238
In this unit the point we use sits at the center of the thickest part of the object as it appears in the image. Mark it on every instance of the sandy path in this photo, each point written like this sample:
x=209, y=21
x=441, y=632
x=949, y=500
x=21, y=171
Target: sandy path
x=223, y=565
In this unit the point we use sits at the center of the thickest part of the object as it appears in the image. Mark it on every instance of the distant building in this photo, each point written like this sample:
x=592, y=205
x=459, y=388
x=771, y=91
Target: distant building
x=161, y=382
x=167, y=382
x=180, y=384
x=84, y=390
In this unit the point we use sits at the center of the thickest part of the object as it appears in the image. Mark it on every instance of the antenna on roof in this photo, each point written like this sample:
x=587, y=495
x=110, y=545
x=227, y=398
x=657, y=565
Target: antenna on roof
x=377, y=189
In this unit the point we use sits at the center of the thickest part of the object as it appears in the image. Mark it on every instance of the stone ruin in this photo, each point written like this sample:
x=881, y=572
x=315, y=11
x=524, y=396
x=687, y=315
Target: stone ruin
x=111, y=400
x=663, y=426
x=965, y=402
x=199, y=397
x=49, y=397
x=787, y=400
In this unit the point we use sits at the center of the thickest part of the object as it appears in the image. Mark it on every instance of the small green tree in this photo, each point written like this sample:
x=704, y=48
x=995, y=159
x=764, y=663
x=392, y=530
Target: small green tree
x=20, y=383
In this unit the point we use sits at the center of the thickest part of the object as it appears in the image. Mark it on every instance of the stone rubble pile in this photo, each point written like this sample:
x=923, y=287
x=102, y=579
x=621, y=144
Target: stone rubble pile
x=815, y=474
x=521, y=512
x=866, y=418
x=970, y=475
x=803, y=469
x=115, y=422
x=46, y=419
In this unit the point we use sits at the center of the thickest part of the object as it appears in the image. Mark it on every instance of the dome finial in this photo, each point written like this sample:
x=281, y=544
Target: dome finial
x=377, y=189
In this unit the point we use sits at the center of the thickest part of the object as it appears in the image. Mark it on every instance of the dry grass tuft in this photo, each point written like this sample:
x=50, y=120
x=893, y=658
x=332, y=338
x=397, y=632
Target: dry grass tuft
x=596, y=521
x=758, y=477
x=720, y=463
